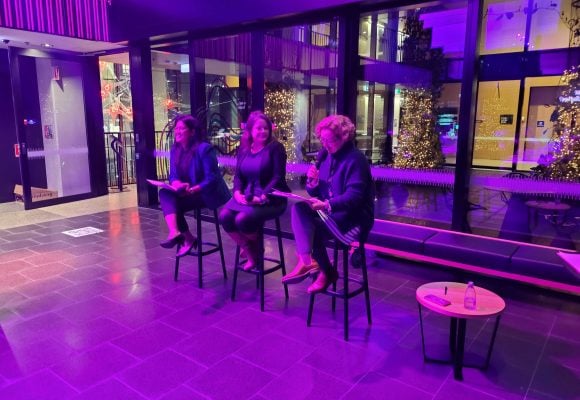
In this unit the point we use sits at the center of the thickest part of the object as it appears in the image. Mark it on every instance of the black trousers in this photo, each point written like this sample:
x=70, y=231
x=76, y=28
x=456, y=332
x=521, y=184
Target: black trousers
x=174, y=203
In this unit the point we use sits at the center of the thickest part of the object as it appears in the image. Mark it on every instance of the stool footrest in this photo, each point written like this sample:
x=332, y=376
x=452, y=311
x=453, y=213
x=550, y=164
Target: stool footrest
x=213, y=249
x=341, y=295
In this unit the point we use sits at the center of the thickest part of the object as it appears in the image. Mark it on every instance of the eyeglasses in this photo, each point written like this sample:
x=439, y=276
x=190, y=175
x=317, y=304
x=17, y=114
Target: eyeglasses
x=330, y=140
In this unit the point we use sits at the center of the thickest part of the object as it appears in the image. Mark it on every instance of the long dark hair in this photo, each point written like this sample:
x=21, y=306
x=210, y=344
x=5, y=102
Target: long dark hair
x=193, y=125
x=183, y=156
x=255, y=116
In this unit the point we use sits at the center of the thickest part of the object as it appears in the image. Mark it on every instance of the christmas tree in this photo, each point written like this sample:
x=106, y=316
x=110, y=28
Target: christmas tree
x=563, y=159
x=419, y=145
x=279, y=102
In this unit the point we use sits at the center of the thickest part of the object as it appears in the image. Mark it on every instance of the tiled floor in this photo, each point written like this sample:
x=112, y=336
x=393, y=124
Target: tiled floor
x=100, y=317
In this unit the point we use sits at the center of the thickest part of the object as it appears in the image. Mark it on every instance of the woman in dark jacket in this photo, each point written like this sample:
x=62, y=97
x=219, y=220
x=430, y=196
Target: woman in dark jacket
x=196, y=181
x=342, y=187
x=261, y=168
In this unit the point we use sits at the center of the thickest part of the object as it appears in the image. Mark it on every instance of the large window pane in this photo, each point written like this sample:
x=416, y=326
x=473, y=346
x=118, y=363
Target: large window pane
x=554, y=24
x=503, y=27
x=495, y=128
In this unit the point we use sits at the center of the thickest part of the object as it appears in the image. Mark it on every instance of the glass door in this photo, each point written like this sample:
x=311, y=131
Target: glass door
x=52, y=131
x=540, y=99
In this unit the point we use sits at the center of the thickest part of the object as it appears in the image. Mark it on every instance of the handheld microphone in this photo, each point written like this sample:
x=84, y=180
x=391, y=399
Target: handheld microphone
x=320, y=157
x=249, y=193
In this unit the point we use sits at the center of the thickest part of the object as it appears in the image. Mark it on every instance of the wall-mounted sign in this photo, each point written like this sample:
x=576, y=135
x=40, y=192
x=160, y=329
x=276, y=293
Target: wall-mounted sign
x=47, y=132
x=540, y=124
x=506, y=119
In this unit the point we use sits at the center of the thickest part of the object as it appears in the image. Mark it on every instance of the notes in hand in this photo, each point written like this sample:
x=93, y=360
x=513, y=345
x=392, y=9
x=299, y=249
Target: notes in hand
x=289, y=195
x=160, y=184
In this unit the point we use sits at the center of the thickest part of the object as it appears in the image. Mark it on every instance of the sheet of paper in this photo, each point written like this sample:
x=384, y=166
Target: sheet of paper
x=288, y=195
x=160, y=184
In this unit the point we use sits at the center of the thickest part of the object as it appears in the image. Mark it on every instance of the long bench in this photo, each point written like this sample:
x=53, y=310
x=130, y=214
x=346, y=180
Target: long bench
x=523, y=262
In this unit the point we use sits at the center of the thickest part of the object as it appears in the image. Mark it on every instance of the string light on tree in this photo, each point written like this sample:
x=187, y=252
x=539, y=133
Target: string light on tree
x=280, y=101
x=563, y=159
x=419, y=144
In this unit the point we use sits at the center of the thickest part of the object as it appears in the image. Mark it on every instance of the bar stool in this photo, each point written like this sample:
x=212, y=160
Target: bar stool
x=199, y=252
x=260, y=271
x=346, y=293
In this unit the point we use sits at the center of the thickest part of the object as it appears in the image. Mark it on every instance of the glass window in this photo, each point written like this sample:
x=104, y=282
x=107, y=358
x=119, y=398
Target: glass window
x=503, y=26
x=554, y=24
x=118, y=119
x=364, y=37
x=540, y=98
x=448, y=120
x=495, y=123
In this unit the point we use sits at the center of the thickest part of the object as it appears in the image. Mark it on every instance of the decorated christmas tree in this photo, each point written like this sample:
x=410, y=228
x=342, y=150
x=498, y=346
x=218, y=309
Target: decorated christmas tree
x=280, y=100
x=563, y=159
x=419, y=145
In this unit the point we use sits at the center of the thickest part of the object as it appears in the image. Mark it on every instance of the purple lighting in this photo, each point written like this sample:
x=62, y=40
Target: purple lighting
x=84, y=19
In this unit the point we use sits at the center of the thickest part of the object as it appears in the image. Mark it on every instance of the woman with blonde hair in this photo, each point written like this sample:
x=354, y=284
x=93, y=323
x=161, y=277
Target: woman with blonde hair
x=343, y=190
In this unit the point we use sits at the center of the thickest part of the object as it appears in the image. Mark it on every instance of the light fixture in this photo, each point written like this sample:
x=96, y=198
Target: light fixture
x=46, y=45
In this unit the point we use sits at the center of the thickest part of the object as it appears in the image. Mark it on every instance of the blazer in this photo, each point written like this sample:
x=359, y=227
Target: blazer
x=345, y=181
x=272, y=169
x=203, y=171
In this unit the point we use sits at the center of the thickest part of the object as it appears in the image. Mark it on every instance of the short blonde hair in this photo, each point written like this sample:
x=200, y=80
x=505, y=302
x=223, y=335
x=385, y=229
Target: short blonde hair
x=340, y=125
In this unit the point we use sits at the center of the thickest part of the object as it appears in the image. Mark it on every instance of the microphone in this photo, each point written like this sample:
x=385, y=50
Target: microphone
x=320, y=157
x=250, y=193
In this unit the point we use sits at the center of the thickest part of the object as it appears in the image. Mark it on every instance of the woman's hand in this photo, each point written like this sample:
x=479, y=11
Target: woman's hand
x=317, y=204
x=240, y=198
x=194, y=189
x=180, y=186
x=312, y=176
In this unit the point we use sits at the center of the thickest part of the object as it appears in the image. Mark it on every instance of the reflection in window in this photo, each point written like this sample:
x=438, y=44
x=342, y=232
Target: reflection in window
x=503, y=26
x=497, y=105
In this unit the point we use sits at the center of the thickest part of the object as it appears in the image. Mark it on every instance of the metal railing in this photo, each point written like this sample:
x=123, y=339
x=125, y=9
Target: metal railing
x=120, y=154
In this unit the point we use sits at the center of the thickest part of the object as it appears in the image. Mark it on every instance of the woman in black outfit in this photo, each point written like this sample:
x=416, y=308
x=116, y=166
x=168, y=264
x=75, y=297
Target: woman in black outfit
x=342, y=188
x=261, y=167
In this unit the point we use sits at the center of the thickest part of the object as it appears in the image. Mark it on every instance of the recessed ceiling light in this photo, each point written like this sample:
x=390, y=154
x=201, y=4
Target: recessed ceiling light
x=46, y=45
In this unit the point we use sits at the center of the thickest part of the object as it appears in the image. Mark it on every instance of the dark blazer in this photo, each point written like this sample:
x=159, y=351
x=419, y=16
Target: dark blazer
x=272, y=169
x=203, y=171
x=345, y=181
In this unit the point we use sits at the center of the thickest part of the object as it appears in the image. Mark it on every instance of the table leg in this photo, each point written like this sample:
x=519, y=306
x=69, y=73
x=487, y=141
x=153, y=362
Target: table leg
x=458, y=357
x=493, y=335
x=422, y=334
x=453, y=336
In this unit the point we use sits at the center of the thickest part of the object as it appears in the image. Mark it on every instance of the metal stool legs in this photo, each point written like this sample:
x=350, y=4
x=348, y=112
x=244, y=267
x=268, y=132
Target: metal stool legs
x=199, y=252
x=260, y=271
x=346, y=293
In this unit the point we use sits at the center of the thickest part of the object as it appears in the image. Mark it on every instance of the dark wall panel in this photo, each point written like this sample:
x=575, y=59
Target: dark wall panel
x=9, y=166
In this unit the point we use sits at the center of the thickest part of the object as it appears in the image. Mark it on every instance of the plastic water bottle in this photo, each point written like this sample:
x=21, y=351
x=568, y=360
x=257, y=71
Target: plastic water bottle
x=469, y=299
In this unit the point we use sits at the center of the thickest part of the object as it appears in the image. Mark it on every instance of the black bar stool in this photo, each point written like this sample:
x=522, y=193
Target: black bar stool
x=260, y=271
x=346, y=293
x=199, y=252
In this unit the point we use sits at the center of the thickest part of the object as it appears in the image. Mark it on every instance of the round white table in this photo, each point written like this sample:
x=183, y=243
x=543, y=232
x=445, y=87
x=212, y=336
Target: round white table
x=488, y=304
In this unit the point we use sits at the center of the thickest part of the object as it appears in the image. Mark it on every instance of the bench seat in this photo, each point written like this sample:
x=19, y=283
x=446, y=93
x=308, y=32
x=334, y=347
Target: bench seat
x=470, y=249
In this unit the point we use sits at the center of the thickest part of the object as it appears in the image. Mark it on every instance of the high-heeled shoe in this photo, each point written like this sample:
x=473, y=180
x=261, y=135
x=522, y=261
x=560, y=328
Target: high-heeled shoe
x=187, y=247
x=322, y=282
x=300, y=272
x=171, y=243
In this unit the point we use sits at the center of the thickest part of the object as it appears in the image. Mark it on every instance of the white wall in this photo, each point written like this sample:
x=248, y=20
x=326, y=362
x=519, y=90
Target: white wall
x=62, y=109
